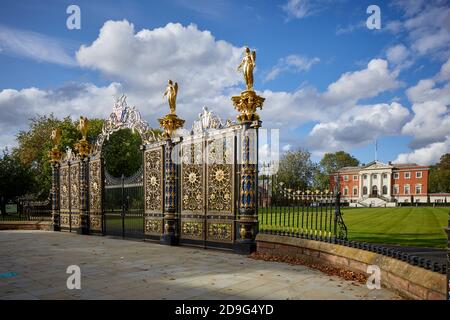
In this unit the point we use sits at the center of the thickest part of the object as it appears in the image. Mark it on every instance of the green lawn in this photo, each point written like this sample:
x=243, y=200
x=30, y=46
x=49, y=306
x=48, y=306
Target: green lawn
x=412, y=226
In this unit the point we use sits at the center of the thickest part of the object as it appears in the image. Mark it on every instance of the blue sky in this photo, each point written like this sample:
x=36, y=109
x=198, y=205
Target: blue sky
x=330, y=83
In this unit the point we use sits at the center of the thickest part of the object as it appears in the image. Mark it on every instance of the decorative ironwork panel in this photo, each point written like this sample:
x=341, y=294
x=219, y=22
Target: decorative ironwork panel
x=64, y=189
x=220, y=175
x=153, y=226
x=75, y=220
x=74, y=188
x=153, y=181
x=95, y=186
x=192, y=229
x=65, y=220
x=220, y=231
x=95, y=222
x=192, y=178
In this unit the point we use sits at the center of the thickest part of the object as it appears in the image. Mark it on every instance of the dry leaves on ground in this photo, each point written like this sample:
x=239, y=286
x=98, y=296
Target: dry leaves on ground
x=327, y=269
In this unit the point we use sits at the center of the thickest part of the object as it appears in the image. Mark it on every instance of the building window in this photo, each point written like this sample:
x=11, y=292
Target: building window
x=406, y=189
x=385, y=190
x=365, y=176
x=396, y=176
x=345, y=178
x=384, y=175
x=418, y=188
x=407, y=175
x=355, y=178
x=345, y=191
x=395, y=189
x=419, y=174
x=364, y=190
x=355, y=191
x=374, y=177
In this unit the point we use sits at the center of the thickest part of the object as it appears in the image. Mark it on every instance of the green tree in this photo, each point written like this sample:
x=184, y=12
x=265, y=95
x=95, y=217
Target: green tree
x=332, y=162
x=296, y=170
x=439, y=176
x=15, y=178
x=122, y=153
x=34, y=145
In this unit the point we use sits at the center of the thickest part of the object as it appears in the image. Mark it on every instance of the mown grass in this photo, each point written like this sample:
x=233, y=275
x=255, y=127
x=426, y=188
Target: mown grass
x=410, y=226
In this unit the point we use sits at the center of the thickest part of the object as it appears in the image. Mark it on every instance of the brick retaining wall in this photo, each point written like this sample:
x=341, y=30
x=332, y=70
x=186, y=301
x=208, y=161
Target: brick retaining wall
x=408, y=280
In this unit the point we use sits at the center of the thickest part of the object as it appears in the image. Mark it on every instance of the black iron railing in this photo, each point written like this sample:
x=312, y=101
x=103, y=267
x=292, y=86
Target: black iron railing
x=29, y=211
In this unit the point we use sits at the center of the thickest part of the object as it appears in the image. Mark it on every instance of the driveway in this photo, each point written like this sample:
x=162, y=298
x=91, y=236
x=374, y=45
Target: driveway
x=33, y=265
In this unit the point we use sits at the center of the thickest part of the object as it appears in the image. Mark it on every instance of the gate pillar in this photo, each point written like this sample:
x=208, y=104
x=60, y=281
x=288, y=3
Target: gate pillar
x=83, y=148
x=55, y=196
x=247, y=222
x=170, y=235
x=55, y=158
x=84, y=199
x=246, y=104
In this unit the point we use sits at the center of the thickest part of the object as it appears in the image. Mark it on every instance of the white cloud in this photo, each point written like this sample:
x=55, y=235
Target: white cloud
x=397, y=54
x=427, y=155
x=302, y=8
x=427, y=24
x=363, y=83
x=18, y=106
x=291, y=63
x=358, y=126
x=444, y=73
x=430, y=126
x=35, y=46
x=205, y=68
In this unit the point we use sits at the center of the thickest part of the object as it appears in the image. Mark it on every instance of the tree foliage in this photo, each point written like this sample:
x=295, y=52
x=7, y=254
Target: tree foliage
x=34, y=145
x=332, y=162
x=439, y=178
x=296, y=170
x=15, y=178
x=122, y=153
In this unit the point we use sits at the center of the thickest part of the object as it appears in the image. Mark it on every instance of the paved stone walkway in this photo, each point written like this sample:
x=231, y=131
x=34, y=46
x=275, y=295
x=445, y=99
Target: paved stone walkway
x=33, y=266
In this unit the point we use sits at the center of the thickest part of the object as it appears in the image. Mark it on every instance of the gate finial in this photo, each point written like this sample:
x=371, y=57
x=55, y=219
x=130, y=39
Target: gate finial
x=171, y=122
x=55, y=153
x=248, y=101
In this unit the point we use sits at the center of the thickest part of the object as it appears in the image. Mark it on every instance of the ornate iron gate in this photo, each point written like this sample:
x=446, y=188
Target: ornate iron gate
x=208, y=179
x=124, y=206
x=70, y=196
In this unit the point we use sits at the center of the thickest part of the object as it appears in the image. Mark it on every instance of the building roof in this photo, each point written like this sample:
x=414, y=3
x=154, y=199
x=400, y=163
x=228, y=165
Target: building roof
x=376, y=164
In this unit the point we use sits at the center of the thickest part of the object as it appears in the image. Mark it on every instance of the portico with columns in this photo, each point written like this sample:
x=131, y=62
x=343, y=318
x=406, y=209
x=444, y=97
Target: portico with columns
x=375, y=180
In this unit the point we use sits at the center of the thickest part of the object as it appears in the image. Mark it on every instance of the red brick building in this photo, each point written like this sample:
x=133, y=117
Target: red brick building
x=377, y=184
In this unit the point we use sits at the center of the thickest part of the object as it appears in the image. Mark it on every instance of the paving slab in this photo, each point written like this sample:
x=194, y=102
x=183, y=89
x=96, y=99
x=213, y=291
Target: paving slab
x=113, y=268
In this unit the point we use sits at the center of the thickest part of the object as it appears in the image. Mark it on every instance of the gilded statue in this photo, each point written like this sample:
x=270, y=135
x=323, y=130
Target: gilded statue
x=171, y=94
x=56, y=137
x=83, y=127
x=247, y=66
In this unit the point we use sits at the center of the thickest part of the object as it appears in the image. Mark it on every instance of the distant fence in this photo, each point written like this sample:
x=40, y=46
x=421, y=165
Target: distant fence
x=306, y=214
x=29, y=211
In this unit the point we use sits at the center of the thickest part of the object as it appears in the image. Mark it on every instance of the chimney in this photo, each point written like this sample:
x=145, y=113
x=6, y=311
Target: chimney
x=390, y=163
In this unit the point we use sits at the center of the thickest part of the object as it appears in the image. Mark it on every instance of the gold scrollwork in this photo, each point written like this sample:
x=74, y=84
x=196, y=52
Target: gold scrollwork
x=64, y=185
x=95, y=186
x=95, y=222
x=153, y=180
x=192, y=229
x=220, y=232
x=219, y=176
x=65, y=220
x=75, y=220
x=153, y=226
x=75, y=186
x=192, y=178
